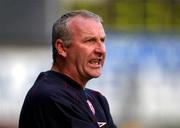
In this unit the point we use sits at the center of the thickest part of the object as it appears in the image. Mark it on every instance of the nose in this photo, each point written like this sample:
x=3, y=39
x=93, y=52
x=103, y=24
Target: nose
x=100, y=48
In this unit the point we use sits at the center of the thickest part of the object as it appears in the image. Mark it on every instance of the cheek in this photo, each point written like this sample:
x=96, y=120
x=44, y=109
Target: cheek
x=81, y=55
x=82, y=59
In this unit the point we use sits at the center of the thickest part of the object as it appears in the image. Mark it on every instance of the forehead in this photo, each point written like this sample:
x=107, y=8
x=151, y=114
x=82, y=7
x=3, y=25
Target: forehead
x=85, y=25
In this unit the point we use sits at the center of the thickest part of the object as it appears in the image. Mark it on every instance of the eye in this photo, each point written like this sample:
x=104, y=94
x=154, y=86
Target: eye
x=90, y=40
x=103, y=40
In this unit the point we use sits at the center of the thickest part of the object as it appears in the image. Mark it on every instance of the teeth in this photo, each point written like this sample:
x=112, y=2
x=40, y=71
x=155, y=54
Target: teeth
x=99, y=61
x=95, y=61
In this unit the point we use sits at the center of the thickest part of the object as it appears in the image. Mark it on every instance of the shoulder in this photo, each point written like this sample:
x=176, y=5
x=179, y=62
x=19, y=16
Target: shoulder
x=45, y=87
x=93, y=92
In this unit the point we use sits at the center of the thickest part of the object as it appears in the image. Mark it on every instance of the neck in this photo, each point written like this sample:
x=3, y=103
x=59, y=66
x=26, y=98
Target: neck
x=59, y=68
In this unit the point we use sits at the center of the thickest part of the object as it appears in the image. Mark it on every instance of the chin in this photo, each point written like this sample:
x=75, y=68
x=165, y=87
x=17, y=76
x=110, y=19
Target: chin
x=95, y=75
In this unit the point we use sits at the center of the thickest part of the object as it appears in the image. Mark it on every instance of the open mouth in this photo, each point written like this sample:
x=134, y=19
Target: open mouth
x=96, y=62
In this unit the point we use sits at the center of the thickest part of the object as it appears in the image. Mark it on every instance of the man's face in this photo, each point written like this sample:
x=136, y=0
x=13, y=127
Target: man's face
x=86, y=54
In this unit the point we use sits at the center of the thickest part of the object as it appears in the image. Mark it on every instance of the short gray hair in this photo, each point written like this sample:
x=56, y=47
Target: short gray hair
x=60, y=29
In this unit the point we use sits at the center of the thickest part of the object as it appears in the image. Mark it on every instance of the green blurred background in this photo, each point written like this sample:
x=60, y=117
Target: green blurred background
x=134, y=15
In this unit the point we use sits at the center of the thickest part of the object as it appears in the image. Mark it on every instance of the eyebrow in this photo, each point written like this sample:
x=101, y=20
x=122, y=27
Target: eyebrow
x=89, y=37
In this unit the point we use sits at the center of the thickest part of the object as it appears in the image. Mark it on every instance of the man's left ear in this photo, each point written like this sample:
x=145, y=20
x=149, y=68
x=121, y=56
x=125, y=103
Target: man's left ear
x=60, y=48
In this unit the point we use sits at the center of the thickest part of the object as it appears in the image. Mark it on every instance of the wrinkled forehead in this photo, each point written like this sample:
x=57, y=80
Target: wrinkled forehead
x=80, y=23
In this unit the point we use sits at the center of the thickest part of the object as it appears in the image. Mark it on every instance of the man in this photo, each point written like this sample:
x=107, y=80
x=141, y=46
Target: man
x=58, y=98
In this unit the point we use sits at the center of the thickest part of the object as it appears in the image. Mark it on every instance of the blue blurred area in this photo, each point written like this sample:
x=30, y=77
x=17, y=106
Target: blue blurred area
x=130, y=50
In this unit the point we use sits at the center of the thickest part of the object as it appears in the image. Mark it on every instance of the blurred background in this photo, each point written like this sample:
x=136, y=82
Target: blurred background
x=141, y=75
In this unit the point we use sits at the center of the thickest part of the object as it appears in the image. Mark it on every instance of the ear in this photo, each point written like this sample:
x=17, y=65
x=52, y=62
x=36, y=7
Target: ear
x=61, y=49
